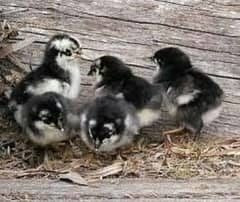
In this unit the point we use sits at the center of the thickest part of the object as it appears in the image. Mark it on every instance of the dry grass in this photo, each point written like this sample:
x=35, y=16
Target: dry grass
x=208, y=157
x=7, y=31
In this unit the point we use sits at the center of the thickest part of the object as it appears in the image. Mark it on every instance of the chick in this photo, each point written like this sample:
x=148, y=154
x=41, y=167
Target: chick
x=59, y=72
x=192, y=98
x=114, y=77
x=45, y=119
x=108, y=123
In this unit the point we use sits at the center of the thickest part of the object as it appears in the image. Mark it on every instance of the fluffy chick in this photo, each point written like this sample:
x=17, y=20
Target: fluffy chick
x=108, y=123
x=59, y=72
x=114, y=77
x=192, y=97
x=45, y=119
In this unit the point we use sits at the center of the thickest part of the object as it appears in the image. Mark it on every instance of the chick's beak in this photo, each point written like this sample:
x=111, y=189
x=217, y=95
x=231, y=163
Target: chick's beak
x=150, y=58
x=92, y=70
x=77, y=53
x=81, y=54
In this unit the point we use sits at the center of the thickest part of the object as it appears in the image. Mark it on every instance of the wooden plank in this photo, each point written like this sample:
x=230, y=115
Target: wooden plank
x=206, y=30
x=127, y=190
x=15, y=47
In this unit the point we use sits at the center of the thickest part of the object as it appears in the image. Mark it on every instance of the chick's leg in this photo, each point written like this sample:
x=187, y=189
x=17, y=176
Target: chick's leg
x=46, y=160
x=169, y=133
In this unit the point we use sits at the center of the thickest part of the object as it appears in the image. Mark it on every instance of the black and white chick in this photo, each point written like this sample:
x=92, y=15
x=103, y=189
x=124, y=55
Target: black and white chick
x=114, y=77
x=46, y=119
x=193, y=99
x=59, y=72
x=108, y=123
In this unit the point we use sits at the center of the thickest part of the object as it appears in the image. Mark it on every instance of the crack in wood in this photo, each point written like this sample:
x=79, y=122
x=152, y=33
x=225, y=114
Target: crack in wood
x=203, y=49
x=194, y=6
x=130, y=20
x=155, y=23
x=143, y=44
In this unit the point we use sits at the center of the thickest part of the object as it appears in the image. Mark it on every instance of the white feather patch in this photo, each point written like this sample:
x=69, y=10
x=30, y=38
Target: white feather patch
x=109, y=126
x=73, y=121
x=59, y=105
x=51, y=134
x=99, y=77
x=92, y=122
x=187, y=98
x=83, y=119
x=63, y=44
x=169, y=89
x=75, y=76
x=84, y=134
x=147, y=116
x=211, y=115
x=109, y=144
x=44, y=113
x=47, y=85
x=120, y=96
x=132, y=125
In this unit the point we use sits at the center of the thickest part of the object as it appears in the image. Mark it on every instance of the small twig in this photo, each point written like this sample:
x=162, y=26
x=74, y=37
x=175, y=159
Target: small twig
x=230, y=152
x=107, y=171
x=7, y=31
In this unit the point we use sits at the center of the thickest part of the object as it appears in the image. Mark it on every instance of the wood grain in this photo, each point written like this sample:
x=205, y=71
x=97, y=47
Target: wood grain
x=128, y=190
x=209, y=31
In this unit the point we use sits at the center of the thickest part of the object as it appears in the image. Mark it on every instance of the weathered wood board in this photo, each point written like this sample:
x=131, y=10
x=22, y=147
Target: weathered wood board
x=209, y=31
x=130, y=190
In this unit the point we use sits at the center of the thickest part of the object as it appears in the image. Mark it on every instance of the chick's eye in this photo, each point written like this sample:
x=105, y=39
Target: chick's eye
x=68, y=52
